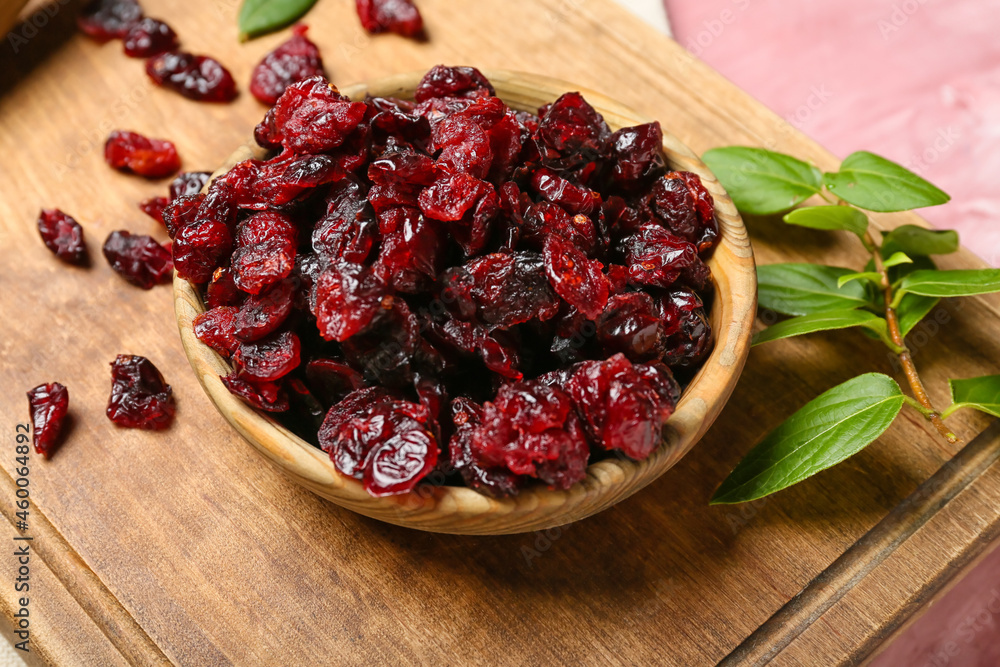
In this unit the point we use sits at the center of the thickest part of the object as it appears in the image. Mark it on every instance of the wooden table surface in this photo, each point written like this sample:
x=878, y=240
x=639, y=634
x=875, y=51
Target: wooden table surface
x=185, y=547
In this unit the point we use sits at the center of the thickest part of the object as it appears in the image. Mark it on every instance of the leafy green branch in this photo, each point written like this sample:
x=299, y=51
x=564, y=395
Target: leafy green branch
x=899, y=286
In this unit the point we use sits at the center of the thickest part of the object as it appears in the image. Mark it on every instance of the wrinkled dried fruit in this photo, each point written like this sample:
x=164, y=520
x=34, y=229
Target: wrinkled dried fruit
x=295, y=60
x=150, y=37
x=199, y=78
x=138, y=259
x=540, y=275
x=109, y=19
x=140, y=398
x=48, y=404
x=188, y=183
x=399, y=16
x=153, y=207
x=132, y=152
x=62, y=235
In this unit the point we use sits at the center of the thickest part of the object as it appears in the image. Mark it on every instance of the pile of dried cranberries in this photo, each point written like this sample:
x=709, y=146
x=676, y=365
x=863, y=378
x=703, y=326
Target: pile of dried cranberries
x=451, y=289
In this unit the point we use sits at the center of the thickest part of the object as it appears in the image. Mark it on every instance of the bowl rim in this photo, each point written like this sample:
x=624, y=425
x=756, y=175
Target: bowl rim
x=462, y=510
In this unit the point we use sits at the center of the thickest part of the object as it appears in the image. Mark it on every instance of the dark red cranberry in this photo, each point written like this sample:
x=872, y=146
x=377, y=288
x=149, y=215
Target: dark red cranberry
x=295, y=60
x=270, y=358
x=494, y=481
x=222, y=290
x=347, y=297
x=636, y=156
x=62, y=235
x=132, y=152
x=263, y=313
x=138, y=259
x=311, y=117
x=150, y=37
x=104, y=20
x=632, y=326
x=332, y=380
x=188, y=183
x=681, y=202
x=199, y=78
x=689, y=335
x=399, y=16
x=217, y=329
x=656, y=257
x=48, y=404
x=265, y=251
x=575, y=278
x=140, y=398
x=442, y=81
x=571, y=126
x=181, y=212
x=153, y=207
x=267, y=396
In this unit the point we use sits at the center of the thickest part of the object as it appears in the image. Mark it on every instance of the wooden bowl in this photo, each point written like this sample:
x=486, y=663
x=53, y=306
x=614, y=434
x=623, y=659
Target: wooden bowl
x=462, y=510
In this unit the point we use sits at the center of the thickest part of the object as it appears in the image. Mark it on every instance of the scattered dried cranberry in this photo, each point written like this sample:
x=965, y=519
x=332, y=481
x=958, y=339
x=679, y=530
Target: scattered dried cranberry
x=109, y=19
x=140, y=398
x=539, y=274
x=130, y=151
x=48, y=404
x=150, y=37
x=153, y=207
x=399, y=16
x=62, y=235
x=138, y=259
x=199, y=78
x=295, y=60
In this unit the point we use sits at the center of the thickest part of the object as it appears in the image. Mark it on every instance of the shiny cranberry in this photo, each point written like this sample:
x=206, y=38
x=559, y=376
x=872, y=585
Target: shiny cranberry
x=442, y=81
x=48, y=404
x=150, y=37
x=199, y=78
x=267, y=396
x=399, y=16
x=295, y=60
x=217, y=329
x=188, y=183
x=270, y=358
x=140, y=398
x=62, y=235
x=575, y=278
x=138, y=259
x=132, y=152
x=109, y=19
x=153, y=207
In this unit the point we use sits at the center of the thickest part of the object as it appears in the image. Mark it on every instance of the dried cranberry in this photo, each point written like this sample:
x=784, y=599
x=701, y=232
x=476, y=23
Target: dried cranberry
x=312, y=117
x=62, y=235
x=656, y=257
x=48, y=404
x=620, y=408
x=575, y=278
x=636, y=156
x=216, y=328
x=153, y=207
x=571, y=126
x=681, y=202
x=412, y=250
x=181, y=212
x=199, y=249
x=140, y=398
x=263, y=313
x=545, y=219
x=506, y=289
x=268, y=396
x=188, y=183
x=494, y=481
x=109, y=19
x=199, y=78
x=348, y=231
x=399, y=16
x=265, y=251
x=575, y=199
x=138, y=259
x=332, y=380
x=468, y=203
x=632, y=326
x=150, y=37
x=270, y=358
x=132, y=152
x=532, y=429
x=442, y=81
x=347, y=297
x=295, y=60
x=689, y=335
x=222, y=290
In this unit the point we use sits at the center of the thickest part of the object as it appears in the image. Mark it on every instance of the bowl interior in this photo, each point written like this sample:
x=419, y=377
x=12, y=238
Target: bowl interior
x=462, y=510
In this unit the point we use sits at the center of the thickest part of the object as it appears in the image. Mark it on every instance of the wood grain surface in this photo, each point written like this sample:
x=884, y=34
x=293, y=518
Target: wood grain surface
x=183, y=546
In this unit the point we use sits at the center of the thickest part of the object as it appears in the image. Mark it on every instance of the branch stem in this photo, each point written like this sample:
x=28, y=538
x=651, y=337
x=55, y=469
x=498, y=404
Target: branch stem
x=906, y=361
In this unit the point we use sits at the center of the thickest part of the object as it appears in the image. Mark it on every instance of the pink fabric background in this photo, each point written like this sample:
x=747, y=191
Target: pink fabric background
x=915, y=80
x=919, y=82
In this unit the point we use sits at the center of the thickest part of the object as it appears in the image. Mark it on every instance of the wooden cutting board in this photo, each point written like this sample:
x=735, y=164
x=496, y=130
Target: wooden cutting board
x=186, y=547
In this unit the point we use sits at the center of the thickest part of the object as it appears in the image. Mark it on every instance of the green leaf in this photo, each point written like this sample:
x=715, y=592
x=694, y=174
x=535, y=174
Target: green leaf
x=896, y=259
x=874, y=183
x=262, y=16
x=763, y=182
x=834, y=319
x=830, y=217
x=965, y=282
x=866, y=275
x=912, y=309
x=804, y=289
x=982, y=393
x=918, y=241
x=828, y=429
